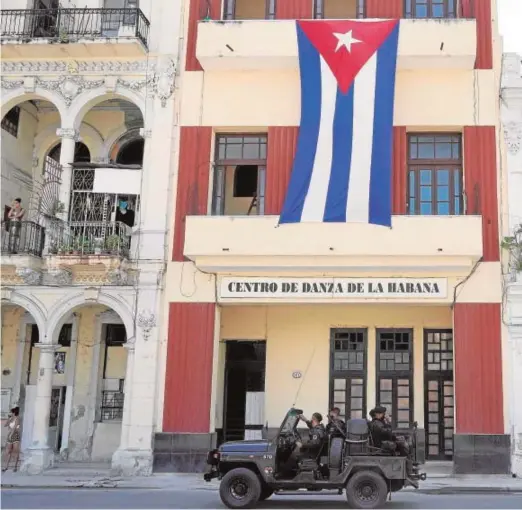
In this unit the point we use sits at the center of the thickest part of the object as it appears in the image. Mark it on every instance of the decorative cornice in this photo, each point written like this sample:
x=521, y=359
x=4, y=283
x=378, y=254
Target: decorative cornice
x=75, y=66
x=11, y=84
x=513, y=136
x=117, y=277
x=135, y=85
x=59, y=276
x=69, y=87
x=146, y=321
x=29, y=276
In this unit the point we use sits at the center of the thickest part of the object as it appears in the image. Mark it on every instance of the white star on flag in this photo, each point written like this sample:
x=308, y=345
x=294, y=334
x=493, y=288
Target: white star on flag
x=345, y=40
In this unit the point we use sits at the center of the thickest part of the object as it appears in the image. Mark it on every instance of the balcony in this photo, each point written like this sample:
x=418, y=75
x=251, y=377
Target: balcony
x=22, y=247
x=88, y=252
x=253, y=244
x=74, y=33
x=266, y=44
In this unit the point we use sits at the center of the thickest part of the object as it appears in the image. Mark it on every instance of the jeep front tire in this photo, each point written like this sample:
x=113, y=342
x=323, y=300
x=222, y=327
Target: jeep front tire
x=366, y=490
x=240, y=488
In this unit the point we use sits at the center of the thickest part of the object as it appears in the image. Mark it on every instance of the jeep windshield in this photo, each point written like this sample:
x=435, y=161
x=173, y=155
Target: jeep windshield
x=290, y=422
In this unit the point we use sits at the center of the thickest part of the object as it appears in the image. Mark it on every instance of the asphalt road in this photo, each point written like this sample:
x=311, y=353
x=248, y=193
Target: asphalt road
x=201, y=498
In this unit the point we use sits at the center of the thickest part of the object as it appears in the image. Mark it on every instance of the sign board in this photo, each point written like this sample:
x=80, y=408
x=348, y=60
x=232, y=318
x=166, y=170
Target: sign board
x=340, y=288
x=117, y=180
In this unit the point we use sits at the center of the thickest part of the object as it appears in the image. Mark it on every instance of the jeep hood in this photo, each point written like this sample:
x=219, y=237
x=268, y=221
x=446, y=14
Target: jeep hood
x=244, y=446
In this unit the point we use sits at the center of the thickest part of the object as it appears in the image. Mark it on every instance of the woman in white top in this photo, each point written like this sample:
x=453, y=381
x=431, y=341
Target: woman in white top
x=13, y=439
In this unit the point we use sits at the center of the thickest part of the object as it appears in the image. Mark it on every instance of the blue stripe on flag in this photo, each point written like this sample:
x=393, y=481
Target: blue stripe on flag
x=310, y=69
x=335, y=209
x=381, y=171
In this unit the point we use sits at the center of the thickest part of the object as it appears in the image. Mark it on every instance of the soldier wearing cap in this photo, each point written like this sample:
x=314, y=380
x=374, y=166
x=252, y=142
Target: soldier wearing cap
x=379, y=427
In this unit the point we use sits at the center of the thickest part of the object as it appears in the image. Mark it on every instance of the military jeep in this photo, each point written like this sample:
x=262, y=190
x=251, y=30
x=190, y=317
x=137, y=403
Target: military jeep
x=251, y=471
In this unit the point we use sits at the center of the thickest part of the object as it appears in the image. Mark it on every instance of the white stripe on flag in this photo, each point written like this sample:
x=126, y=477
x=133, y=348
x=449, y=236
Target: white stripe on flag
x=315, y=201
x=358, y=203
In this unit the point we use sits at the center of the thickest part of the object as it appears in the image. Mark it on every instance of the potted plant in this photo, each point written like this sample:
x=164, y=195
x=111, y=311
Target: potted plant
x=514, y=245
x=98, y=245
x=112, y=243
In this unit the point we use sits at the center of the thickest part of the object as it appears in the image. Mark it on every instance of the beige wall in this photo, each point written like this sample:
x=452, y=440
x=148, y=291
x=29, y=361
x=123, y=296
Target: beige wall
x=423, y=98
x=298, y=338
x=17, y=158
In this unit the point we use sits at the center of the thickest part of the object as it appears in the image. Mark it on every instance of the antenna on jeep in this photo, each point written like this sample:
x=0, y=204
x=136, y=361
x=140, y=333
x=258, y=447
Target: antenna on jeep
x=304, y=375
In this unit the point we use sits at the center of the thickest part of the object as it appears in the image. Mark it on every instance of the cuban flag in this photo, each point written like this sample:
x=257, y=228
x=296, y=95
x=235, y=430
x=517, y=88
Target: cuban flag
x=342, y=169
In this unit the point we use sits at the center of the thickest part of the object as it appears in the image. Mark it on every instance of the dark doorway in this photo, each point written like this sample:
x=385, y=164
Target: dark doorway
x=131, y=153
x=438, y=393
x=348, y=372
x=245, y=365
x=395, y=375
x=81, y=153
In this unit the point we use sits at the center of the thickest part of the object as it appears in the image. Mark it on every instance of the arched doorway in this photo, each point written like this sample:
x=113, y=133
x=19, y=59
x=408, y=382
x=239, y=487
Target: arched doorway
x=131, y=153
x=81, y=153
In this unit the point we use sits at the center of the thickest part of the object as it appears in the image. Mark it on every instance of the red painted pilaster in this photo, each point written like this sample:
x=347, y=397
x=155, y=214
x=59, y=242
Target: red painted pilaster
x=384, y=9
x=198, y=11
x=282, y=143
x=399, y=170
x=484, y=34
x=188, y=378
x=294, y=9
x=479, y=404
x=193, y=181
x=480, y=184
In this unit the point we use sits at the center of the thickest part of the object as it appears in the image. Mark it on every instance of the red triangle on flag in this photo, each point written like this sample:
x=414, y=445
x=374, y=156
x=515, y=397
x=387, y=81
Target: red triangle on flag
x=347, y=45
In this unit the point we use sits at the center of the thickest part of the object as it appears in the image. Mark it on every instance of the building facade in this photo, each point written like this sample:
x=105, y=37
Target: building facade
x=262, y=316
x=88, y=120
x=512, y=121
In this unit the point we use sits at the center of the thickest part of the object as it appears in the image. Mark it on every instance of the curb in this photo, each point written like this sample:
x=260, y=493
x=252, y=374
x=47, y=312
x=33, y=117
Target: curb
x=470, y=490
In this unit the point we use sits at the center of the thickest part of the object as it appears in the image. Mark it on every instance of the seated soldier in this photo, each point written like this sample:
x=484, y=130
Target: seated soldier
x=336, y=427
x=382, y=434
x=317, y=435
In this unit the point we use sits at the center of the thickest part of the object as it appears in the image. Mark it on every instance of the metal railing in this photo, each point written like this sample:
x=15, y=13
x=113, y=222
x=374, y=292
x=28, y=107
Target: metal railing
x=112, y=405
x=90, y=238
x=22, y=238
x=68, y=25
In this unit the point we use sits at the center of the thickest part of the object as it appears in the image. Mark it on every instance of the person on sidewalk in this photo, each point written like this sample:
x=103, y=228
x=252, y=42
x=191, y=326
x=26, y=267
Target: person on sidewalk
x=13, y=439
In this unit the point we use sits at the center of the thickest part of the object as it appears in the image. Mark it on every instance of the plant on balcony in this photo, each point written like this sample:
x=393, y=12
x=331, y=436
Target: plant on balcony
x=514, y=245
x=81, y=244
x=98, y=245
x=63, y=36
x=112, y=243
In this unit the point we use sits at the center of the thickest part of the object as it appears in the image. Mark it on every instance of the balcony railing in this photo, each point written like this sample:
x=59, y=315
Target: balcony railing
x=90, y=238
x=22, y=238
x=69, y=25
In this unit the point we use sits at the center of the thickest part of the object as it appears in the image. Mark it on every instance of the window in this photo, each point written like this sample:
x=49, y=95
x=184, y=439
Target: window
x=64, y=339
x=114, y=366
x=395, y=375
x=339, y=9
x=348, y=372
x=249, y=9
x=430, y=8
x=239, y=175
x=11, y=121
x=435, y=174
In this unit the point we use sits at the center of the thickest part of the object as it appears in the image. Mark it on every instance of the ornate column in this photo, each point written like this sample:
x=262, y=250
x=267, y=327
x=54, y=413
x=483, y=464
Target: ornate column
x=39, y=456
x=69, y=138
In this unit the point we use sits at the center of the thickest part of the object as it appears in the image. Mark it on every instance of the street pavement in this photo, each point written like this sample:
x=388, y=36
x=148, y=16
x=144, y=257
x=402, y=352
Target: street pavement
x=115, y=498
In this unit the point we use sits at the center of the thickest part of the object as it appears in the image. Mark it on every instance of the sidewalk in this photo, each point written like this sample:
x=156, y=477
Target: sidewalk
x=100, y=478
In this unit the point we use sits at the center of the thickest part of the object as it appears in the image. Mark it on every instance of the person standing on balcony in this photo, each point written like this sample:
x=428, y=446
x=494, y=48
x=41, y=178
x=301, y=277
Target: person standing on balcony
x=15, y=217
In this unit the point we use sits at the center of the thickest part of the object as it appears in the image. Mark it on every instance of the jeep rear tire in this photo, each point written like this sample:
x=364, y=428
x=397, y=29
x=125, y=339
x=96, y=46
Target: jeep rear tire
x=366, y=490
x=240, y=488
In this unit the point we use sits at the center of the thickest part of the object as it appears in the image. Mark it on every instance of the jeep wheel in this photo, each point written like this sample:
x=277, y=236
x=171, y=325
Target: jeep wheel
x=366, y=490
x=240, y=488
